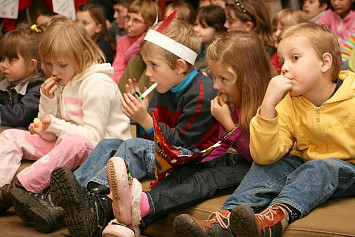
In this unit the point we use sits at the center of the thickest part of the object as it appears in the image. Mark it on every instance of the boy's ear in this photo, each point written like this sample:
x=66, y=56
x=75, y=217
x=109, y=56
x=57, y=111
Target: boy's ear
x=181, y=66
x=33, y=64
x=327, y=61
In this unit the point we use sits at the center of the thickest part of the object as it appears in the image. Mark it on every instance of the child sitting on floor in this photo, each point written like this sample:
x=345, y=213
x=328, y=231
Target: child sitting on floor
x=301, y=139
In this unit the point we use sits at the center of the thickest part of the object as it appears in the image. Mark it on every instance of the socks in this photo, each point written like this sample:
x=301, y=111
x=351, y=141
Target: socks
x=293, y=215
x=145, y=207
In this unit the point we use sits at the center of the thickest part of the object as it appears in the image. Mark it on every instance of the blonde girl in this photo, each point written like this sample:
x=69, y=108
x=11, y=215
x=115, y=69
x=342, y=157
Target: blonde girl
x=92, y=17
x=79, y=106
x=21, y=67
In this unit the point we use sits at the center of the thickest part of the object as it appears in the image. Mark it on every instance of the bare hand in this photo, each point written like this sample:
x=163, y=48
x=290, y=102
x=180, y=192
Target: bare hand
x=48, y=87
x=275, y=92
x=42, y=126
x=220, y=110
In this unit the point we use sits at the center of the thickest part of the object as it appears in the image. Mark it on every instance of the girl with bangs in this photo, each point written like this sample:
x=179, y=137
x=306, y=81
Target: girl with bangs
x=251, y=15
x=79, y=106
x=22, y=76
x=93, y=18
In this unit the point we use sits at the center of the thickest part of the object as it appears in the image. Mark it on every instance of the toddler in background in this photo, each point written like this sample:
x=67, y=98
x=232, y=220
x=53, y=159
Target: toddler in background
x=285, y=17
x=140, y=16
x=79, y=106
x=92, y=17
x=314, y=8
x=22, y=76
x=340, y=19
x=209, y=24
x=251, y=15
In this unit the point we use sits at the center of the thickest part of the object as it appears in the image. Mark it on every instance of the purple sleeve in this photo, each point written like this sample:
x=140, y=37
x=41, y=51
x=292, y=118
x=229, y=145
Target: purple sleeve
x=236, y=139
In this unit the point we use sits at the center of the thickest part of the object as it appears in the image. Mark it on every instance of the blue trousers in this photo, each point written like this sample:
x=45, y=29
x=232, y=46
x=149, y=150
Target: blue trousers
x=302, y=185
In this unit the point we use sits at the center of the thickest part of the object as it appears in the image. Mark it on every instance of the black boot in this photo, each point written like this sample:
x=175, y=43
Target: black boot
x=5, y=196
x=38, y=208
x=87, y=212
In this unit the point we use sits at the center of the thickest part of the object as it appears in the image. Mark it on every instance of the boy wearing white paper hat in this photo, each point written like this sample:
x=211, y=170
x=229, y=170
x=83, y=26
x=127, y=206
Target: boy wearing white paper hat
x=180, y=128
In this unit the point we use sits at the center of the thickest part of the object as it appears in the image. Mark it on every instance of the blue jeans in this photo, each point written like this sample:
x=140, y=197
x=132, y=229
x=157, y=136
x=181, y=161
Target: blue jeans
x=192, y=183
x=302, y=185
x=139, y=154
x=93, y=169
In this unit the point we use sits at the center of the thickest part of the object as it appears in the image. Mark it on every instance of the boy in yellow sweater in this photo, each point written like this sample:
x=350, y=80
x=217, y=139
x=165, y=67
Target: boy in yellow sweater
x=302, y=140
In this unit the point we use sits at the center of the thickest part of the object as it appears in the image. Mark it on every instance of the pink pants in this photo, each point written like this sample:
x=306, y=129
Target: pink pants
x=69, y=151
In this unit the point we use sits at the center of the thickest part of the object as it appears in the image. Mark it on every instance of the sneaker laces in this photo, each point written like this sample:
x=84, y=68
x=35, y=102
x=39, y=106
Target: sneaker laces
x=220, y=218
x=269, y=213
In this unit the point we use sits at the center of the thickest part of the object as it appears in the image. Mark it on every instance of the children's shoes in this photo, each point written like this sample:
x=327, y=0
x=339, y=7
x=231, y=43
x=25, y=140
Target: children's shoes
x=116, y=229
x=126, y=192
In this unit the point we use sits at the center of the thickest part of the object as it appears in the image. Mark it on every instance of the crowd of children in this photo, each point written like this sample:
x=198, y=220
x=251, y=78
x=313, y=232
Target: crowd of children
x=241, y=99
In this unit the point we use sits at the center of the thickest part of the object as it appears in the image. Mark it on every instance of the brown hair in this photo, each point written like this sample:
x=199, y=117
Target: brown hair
x=252, y=69
x=289, y=17
x=67, y=39
x=322, y=40
x=23, y=41
x=181, y=33
x=212, y=16
x=186, y=11
x=97, y=12
x=255, y=11
x=148, y=9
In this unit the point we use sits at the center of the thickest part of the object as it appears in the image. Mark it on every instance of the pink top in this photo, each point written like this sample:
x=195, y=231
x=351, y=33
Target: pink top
x=125, y=49
x=342, y=28
x=236, y=140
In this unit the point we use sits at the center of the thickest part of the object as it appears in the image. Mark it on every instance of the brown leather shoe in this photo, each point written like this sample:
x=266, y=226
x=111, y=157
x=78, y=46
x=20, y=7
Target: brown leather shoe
x=5, y=196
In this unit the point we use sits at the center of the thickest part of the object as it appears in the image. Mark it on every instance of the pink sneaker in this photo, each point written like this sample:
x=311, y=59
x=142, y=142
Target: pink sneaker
x=115, y=229
x=126, y=192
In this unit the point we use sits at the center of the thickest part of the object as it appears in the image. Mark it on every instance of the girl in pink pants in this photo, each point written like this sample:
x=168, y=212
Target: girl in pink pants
x=79, y=106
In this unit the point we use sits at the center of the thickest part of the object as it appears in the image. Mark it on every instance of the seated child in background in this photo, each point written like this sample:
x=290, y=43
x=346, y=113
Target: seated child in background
x=44, y=18
x=23, y=76
x=78, y=90
x=117, y=29
x=282, y=19
x=184, y=119
x=186, y=11
x=225, y=167
x=209, y=24
x=251, y=15
x=140, y=16
x=92, y=17
x=314, y=8
x=320, y=143
x=340, y=19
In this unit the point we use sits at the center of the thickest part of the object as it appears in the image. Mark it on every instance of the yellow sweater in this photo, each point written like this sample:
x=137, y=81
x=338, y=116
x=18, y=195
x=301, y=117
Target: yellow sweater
x=308, y=131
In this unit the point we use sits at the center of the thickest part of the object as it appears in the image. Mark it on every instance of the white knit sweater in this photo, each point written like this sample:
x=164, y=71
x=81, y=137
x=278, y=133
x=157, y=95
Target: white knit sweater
x=88, y=105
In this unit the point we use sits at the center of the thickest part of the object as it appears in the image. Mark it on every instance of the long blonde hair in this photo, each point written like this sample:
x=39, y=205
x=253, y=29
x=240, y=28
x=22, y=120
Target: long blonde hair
x=67, y=39
x=244, y=56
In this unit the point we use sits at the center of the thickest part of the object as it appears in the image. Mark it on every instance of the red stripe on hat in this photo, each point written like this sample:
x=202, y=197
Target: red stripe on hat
x=166, y=23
